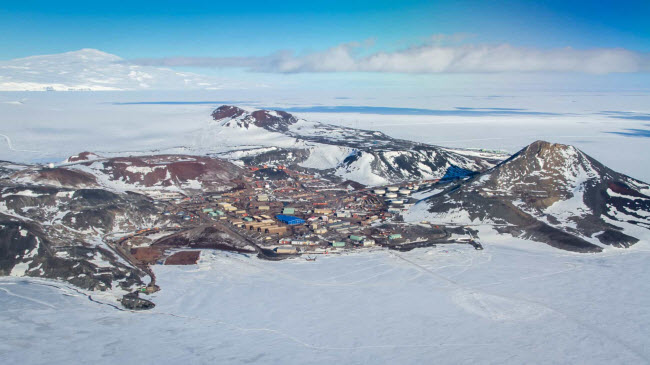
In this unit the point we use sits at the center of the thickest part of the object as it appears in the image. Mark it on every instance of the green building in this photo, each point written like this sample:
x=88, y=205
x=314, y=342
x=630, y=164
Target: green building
x=338, y=244
x=207, y=210
x=395, y=236
x=356, y=238
x=289, y=211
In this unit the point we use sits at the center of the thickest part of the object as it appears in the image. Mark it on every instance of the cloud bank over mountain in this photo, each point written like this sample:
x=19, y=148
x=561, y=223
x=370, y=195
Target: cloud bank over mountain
x=428, y=58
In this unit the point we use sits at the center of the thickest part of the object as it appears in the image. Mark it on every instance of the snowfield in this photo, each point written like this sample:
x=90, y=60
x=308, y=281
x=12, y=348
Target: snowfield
x=515, y=302
x=604, y=125
x=450, y=304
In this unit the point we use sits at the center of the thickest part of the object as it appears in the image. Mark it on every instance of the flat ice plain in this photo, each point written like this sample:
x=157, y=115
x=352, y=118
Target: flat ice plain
x=612, y=128
x=514, y=302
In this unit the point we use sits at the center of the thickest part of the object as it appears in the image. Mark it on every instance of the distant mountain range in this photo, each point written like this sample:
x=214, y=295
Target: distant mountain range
x=91, y=69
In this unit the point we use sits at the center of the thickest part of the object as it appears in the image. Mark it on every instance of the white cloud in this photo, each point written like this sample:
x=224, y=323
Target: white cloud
x=432, y=57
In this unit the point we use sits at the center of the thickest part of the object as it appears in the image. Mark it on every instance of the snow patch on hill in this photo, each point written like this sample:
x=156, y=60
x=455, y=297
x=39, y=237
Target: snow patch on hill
x=326, y=156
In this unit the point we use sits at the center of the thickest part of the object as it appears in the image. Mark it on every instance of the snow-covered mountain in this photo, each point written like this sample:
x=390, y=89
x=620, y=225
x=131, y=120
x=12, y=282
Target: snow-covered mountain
x=158, y=172
x=271, y=120
x=551, y=193
x=91, y=69
x=367, y=157
x=53, y=221
x=56, y=232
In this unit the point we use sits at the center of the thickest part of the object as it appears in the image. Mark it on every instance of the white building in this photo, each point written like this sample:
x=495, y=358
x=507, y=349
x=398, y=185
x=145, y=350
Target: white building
x=368, y=242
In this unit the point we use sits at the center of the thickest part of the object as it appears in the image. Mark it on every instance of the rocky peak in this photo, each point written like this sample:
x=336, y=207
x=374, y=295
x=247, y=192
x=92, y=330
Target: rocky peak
x=274, y=120
x=552, y=193
x=271, y=120
x=83, y=156
x=227, y=111
x=546, y=152
x=548, y=164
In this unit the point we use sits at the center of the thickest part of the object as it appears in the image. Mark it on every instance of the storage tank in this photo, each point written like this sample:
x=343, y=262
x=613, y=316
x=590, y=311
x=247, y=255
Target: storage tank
x=393, y=188
x=380, y=191
x=391, y=195
x=404, y=191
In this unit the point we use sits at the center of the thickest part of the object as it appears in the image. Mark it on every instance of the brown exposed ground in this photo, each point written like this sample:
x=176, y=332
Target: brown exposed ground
x=147, y=255
x=169, y=170
x=623, y=189
x=227, y=111
x=183, y=258
x=354, y=184
x=211, y=237
x=277, y=121
x=59, y=177
x=83, y=156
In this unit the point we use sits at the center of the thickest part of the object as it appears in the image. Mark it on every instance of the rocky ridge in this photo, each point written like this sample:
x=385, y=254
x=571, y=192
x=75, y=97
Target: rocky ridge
x=551, y=193
x=367, y=157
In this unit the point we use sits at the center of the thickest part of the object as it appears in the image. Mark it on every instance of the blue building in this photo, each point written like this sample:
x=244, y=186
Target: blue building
x=289, y=219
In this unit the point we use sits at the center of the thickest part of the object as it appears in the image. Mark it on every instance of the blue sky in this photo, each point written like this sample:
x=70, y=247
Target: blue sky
x=138, y=29
x=411, y=46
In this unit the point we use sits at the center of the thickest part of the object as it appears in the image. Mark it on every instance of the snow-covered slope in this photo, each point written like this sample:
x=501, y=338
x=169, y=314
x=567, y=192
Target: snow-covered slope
x=368, y=157
x=552, y=193
x=55, y=232
x=449, y=304
x=90, y=69
x=158, y=172
x=232, y=129
x=386, y=166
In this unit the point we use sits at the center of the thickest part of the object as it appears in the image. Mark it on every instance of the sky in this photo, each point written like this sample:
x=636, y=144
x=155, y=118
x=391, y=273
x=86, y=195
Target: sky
x=252, y=28
x=387, y=38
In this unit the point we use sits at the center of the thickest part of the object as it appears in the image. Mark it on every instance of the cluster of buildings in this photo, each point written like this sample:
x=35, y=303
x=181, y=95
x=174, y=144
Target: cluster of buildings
x=293, y=211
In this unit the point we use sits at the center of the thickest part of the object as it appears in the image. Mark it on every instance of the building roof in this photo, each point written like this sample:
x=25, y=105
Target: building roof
x=289, y=219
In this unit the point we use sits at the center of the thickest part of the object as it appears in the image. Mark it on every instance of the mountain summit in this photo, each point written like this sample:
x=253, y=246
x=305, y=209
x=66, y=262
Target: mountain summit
x=552, y=193
x=271, y=120
x=91, y=69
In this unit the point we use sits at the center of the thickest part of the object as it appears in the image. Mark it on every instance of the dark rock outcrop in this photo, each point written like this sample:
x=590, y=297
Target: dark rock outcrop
x=555, y=194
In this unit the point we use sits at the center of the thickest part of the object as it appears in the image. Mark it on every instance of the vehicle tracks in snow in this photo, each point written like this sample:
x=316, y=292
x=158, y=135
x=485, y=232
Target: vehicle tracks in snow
x=480, y=296
x=11, y=146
